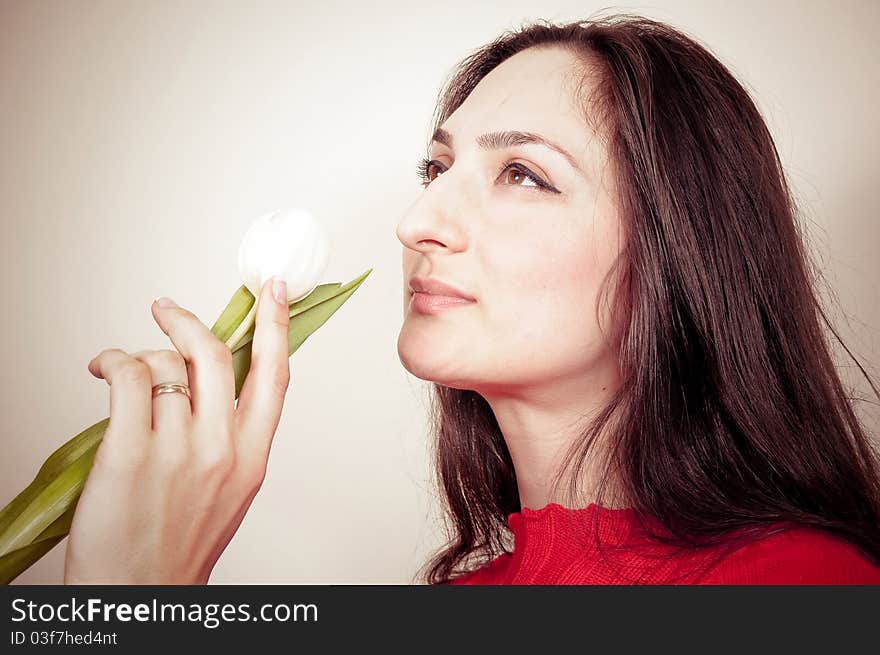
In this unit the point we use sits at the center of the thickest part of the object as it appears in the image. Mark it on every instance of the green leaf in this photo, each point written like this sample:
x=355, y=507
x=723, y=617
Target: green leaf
x=50, y=503
x=57, y=462
x=13, y=563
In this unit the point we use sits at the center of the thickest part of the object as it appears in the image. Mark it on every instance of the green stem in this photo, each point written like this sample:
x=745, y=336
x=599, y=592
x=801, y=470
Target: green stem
x=246, y=324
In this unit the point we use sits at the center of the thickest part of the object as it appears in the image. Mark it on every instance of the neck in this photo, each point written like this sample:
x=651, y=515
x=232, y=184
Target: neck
x=541, y=423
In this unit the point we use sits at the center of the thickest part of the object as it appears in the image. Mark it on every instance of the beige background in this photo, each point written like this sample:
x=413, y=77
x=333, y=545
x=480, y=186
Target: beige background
x=138, y=140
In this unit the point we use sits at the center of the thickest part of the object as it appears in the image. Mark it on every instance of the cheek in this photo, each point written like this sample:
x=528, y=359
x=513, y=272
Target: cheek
x=557, y=266
x=553, y=283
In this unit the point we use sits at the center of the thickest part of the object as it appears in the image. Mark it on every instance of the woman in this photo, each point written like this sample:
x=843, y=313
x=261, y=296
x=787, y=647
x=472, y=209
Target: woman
x=605, y=282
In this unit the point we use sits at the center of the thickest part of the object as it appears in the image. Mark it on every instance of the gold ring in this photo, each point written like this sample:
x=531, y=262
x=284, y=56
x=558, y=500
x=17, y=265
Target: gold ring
x=168, y=387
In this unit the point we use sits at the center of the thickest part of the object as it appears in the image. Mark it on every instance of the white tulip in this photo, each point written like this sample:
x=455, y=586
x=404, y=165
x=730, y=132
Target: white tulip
x=288, y=243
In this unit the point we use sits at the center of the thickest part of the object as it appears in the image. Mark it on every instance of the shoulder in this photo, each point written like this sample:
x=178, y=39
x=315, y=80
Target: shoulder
x=490, y=573
x=795, y=556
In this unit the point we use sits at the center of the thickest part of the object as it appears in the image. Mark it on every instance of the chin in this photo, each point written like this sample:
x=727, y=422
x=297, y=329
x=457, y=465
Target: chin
x=430, y=365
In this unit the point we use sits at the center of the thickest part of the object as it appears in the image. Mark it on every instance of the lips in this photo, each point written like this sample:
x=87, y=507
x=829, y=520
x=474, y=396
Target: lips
x=436, y=287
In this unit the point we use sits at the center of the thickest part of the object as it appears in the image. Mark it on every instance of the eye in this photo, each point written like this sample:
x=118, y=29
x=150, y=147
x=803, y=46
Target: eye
x=426, y=165
x=424, y=172
x=523, y=173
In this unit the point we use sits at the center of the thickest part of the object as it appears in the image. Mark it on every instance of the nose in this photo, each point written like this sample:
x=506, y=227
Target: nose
x=436, y=221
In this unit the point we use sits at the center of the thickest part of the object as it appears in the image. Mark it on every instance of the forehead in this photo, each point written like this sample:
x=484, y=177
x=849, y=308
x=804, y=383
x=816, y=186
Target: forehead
x=535, y=90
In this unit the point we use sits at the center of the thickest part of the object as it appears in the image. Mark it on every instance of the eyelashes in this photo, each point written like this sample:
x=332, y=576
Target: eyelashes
x=424, y=168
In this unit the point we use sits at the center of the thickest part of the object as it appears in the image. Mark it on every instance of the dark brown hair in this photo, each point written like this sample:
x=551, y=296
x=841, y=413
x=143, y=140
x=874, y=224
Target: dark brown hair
x=731, y=414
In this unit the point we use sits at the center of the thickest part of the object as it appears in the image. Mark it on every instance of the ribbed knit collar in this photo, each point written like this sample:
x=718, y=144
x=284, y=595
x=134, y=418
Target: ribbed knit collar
x=534, y=530
x=565, y=545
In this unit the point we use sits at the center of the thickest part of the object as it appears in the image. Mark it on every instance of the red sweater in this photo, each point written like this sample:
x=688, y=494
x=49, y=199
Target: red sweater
x=555, y=545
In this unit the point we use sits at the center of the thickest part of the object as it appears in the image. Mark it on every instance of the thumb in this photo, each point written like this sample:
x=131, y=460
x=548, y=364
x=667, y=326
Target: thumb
x=262, y=395
x=274, y=296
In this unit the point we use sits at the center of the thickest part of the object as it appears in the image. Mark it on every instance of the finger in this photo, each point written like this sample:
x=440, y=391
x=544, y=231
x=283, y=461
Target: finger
x=172, y=412
x=130, y=402
x=209, y=365
x=262, y=394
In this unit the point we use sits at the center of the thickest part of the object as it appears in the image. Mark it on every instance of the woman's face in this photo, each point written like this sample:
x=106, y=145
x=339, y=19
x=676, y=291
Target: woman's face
x=533, y=259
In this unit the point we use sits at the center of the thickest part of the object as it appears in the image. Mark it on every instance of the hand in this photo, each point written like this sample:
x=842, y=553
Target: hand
x=173, y=478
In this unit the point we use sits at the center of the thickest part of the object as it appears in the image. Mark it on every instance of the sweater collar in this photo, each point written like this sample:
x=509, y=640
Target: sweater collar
x=537, y=529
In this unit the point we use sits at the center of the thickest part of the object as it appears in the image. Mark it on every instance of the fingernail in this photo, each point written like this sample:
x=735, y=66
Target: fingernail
x=165, y=302
x=279, y=290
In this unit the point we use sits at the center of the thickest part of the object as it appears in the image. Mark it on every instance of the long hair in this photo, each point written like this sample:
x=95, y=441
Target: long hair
x=730, y=415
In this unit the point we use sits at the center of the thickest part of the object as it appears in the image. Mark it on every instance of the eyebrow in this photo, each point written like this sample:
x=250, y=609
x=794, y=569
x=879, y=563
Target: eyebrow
x=507, y=139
